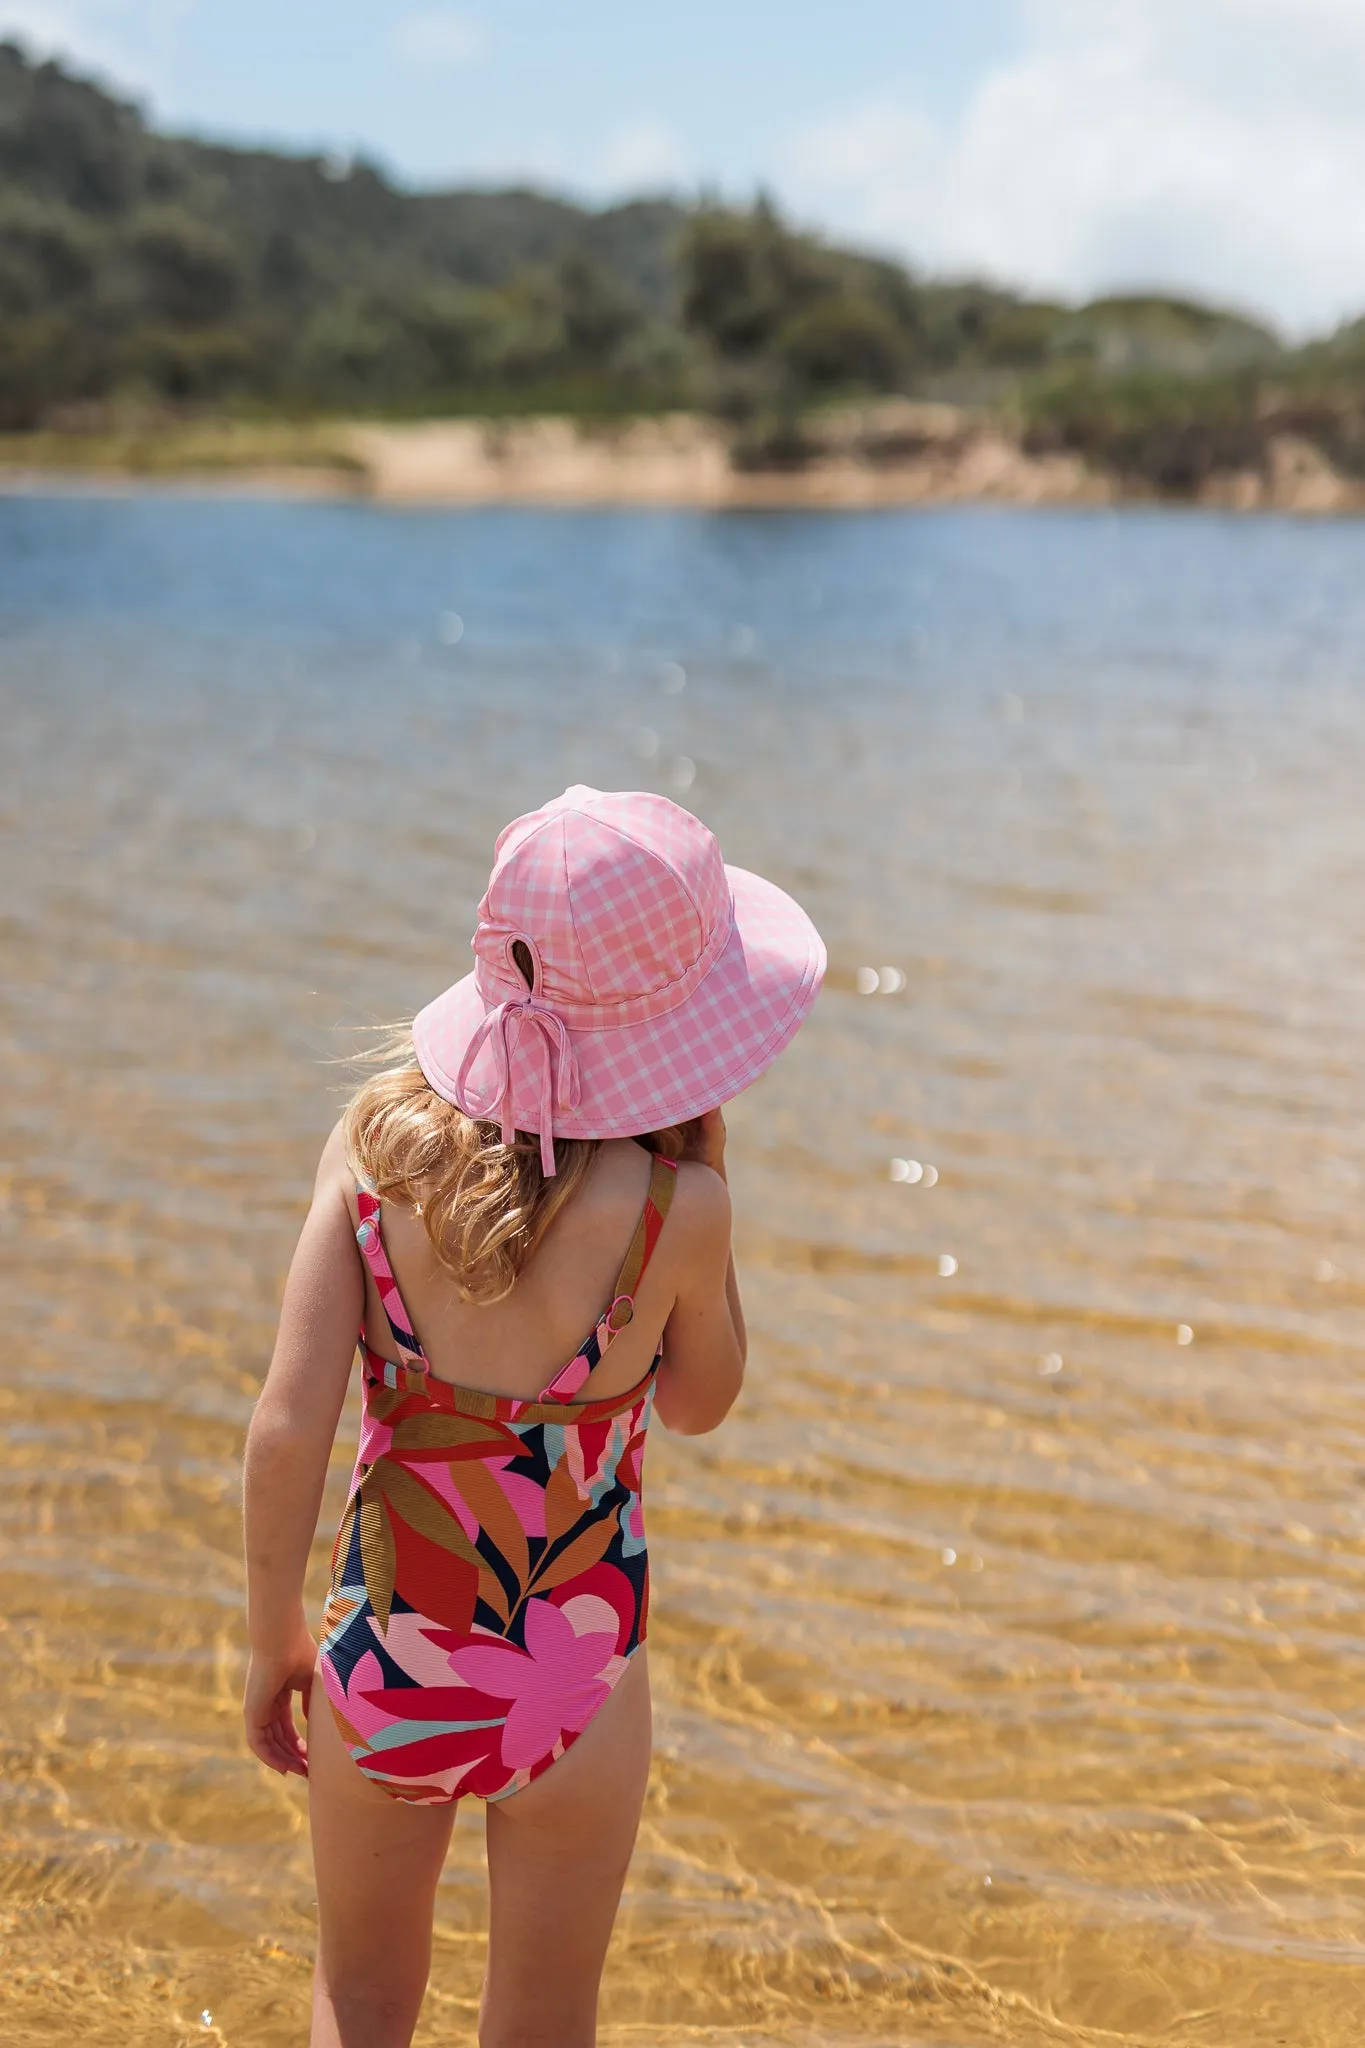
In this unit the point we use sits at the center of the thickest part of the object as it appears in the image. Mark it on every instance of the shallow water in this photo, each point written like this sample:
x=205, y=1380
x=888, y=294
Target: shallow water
x=1007, y=1647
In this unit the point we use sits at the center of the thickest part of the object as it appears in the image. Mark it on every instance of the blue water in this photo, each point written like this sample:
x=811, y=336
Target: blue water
x=1048, y=1562
x=885, y=595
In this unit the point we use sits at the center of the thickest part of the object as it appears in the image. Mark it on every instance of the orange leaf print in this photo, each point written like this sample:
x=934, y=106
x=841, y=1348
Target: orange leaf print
x=429, y=1516
x=383, y=1402
x=341, y=1548
x=457, y=1436
x=495, y=1513
x=563, y=1502
x=377, y=1554
x=349, y=1735
x=577, y=1556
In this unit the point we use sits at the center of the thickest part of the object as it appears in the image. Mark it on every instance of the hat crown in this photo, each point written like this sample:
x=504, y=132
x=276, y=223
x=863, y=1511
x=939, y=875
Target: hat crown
x=623, y=897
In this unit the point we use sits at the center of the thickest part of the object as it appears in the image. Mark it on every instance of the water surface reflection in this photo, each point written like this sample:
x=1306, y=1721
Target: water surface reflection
x=1008, y=1640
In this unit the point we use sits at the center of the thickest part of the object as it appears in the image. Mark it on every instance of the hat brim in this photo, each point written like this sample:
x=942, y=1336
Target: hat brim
x=642, y=1077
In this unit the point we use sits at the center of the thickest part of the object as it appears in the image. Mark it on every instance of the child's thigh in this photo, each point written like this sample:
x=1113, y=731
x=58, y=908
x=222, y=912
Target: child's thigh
x=557, y=1859
x=377, y=1861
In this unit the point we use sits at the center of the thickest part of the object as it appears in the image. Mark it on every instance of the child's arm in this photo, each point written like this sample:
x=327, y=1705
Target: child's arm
x=287, y=1450
x=705, y=1341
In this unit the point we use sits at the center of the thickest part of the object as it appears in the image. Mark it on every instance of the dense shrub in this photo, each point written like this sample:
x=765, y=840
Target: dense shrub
x=187, y=273
x=843, y=343
x=1171, y=433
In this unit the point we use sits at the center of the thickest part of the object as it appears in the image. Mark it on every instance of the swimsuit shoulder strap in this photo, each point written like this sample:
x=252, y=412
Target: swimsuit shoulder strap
x=370, y=1237
x=663, y=1179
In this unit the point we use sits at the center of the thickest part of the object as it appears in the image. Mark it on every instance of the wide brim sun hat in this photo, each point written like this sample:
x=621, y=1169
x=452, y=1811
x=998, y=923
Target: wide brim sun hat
x=663, y=981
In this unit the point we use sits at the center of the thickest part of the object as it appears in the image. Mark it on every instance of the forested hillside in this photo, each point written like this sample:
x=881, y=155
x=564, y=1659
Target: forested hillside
x=146, y=270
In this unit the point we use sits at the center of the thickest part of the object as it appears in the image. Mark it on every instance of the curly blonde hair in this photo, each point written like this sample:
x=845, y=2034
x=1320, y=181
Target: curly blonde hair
x=486, y=1206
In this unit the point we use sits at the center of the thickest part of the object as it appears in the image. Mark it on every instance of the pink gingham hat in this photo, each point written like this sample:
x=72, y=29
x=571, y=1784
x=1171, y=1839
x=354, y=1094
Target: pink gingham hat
x=664, y=982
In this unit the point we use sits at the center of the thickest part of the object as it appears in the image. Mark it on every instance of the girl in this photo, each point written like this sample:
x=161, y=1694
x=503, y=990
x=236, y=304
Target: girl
x=545, y=1155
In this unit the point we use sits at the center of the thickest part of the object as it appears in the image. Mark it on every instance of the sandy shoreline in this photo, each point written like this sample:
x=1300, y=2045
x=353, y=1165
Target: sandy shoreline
x=895, y=453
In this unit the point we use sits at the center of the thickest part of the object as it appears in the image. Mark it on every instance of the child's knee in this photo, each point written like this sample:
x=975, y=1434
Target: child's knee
x=371, y=2008
x=550, y=2025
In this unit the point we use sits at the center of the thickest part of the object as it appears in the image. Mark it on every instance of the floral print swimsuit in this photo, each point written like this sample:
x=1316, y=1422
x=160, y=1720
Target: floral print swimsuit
x=490, y=1581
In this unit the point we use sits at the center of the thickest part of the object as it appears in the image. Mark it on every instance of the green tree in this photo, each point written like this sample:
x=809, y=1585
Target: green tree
x=47, y=257
x=188, y=273
x=843, y=343
x=598, y=314
x=743, y=277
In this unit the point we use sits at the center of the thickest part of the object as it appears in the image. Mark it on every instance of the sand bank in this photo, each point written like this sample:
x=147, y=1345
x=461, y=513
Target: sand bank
x=684, y=460
x=896, y=452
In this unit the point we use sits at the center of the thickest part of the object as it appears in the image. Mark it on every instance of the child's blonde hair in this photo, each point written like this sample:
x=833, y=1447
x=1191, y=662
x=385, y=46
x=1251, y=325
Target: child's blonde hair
x=486, y=1206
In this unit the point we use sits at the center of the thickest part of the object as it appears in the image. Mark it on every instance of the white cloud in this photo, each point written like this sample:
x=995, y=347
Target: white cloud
x=642, y=156
x=122, y=40
x=438, y=39
x=1209, y=146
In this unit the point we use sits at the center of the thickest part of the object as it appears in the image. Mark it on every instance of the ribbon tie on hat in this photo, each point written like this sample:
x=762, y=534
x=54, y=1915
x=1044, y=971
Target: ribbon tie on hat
x=559, y=1080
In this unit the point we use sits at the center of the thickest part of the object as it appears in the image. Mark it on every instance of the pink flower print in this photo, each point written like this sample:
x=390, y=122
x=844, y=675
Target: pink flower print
x=602, y=1582
x=555, y=1684
x=415, y=1647
x=589, y=1614
x=366, y=1719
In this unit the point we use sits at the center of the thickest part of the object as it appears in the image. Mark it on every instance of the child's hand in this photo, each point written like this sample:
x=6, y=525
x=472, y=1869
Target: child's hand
x=706, y=1141
x=268, y=1709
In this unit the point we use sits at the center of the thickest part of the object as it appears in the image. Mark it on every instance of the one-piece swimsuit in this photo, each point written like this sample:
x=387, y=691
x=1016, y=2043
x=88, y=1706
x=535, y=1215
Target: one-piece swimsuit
x=490, y=1581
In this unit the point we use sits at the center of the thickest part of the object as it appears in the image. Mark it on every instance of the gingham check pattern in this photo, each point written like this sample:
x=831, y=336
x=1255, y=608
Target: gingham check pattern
x=624, y=896
x=679, y=979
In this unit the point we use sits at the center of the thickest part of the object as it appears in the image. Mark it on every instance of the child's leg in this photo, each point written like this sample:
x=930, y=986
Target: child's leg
x=557, y=1859
x=377, y=1862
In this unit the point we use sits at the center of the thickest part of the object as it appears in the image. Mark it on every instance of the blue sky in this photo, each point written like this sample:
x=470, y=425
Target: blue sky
x=1071, y=146
x=439, y=92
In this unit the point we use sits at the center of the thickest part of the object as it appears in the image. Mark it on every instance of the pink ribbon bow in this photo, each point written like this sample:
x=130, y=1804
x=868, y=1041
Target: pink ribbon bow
x=559, y=1081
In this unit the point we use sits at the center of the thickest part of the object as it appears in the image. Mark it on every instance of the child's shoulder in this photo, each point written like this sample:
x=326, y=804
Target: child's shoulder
x=696, y=1231
x=700, y=1213
x=334, y=1176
